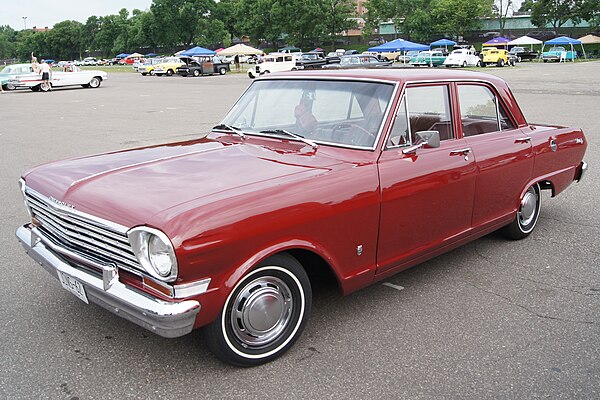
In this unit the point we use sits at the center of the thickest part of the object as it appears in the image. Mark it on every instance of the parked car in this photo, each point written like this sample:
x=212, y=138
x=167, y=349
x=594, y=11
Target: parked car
x=428, y=58
x=523, y=53
x=147, y=68
x=168, y=66
x=204, y=65
x=558, y=52
x=274, y=62
x=405, y=57
x=357, y=174
x=495, y=56
x=10, y=72
x=73, y=77
x=315, y=60
x=462, y=58
x=358, y=61
x=89, y=61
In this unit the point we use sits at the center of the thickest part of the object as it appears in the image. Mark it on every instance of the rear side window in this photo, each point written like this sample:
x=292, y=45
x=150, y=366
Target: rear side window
x=480, y=111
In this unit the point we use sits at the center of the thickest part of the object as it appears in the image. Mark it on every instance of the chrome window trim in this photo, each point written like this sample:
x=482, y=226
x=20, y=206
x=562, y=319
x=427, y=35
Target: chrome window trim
x=67, y=210
x=395, y=84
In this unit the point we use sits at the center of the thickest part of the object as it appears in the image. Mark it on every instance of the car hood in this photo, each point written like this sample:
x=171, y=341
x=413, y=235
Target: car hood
x=133, y=186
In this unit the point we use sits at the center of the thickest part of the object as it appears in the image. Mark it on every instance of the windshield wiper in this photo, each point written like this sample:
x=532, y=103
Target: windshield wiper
x=230, y=129
x=292, y=134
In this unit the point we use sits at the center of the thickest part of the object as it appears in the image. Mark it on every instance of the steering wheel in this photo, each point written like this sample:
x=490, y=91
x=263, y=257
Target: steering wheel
x=350, y=133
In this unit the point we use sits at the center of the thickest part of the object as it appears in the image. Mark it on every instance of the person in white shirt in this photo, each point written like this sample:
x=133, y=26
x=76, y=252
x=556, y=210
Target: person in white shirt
x=45, y=71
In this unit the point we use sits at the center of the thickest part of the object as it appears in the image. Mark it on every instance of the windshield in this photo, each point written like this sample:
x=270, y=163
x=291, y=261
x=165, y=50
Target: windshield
x=6, y=70
x=331, y=112
x=349, y=60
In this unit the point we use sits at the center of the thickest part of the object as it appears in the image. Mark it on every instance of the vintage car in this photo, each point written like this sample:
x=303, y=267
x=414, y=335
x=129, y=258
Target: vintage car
x=358, y=61
x=73, y=76
x=147, y=68
x=168, y=66
x=462, y=58
x=406, y=56
x=523, y=54
x=356, y=175
x=428, y=58
x=315, y=60
x=495, y=56
x=558, y=53
x=274, y=62
x=10, y=72
x=204, y=65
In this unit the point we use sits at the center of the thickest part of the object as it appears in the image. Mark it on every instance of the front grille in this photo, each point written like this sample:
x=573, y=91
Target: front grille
x=96, y=242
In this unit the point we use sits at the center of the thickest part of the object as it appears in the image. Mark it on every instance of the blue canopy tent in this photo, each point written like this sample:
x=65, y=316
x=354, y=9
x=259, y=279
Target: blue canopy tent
x=198, y=51
x=565, y=41
x=151, y=55
x=122, y=55
x=443, y=42
x=399, y=45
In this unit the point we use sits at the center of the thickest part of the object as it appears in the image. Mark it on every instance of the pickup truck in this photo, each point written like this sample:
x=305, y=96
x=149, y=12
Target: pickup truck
x=350, y=174
x=204, y=66
x=315, y=60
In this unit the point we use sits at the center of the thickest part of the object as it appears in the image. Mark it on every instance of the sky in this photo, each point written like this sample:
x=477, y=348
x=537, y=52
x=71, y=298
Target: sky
x=42, y=13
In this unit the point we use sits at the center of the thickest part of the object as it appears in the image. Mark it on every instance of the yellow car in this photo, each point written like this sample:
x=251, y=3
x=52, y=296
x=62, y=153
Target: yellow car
x=168, y=66
x=494, y=56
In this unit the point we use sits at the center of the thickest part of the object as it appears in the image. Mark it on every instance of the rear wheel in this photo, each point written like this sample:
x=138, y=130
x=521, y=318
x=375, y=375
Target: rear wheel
x=464, y=64
x=169, y=72
x=45, y=87
x=196, y=73
x=264, y=314
x=527, y=214
x=144, y=73
x=222, y=71
x=501, y=62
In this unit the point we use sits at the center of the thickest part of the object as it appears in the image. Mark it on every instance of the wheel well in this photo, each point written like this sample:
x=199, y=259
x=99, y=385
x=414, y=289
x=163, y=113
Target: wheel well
x=546, y=185
x=99, y=78
x=318, y=270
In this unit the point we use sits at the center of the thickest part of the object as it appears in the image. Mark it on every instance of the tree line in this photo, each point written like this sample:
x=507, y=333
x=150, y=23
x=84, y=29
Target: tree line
x=170, y=24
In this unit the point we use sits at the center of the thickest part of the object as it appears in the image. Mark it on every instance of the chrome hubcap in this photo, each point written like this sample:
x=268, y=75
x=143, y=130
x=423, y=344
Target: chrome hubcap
x=528, y=207
x=261, y=311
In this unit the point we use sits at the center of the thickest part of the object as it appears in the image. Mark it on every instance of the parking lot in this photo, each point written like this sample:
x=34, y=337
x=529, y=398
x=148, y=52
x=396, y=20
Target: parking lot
x=492, y=319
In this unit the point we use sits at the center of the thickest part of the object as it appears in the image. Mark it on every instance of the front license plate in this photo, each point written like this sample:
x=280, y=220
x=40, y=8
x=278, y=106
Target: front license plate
x=73, y=285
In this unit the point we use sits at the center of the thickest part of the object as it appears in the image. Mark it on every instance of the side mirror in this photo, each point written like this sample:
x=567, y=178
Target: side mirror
x=426, y=139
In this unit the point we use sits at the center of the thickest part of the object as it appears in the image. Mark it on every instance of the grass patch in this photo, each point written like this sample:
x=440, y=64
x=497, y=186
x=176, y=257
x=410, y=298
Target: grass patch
x=110, y=68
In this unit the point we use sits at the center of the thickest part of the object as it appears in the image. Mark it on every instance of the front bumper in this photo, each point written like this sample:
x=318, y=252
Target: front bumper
x=581, y=171
x=167, y=319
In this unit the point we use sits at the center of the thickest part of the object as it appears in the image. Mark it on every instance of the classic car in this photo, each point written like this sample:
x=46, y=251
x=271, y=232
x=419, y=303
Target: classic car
x=462, y=58
x=204, y=65
x=315, y=60
x=557, y=53
x=358, y=61
x=74, y=76
x=405, y=57
x=168, y=66
x=522, y=53
x=10, y=72
x=274, y=62
x=147, y=68
x=428, y=58
x=356, y=175
x=495, y=56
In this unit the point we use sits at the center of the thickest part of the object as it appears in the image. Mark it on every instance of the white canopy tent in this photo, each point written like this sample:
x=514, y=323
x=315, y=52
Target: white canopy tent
x=524, y=41
x=240, y=49
x=589, y=39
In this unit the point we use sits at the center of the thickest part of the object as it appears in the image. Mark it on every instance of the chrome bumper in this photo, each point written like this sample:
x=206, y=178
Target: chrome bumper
x=167, y=319
x=582, y=170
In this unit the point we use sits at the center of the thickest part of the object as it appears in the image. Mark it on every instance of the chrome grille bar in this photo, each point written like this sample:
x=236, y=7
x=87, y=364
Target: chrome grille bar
x=86, y=236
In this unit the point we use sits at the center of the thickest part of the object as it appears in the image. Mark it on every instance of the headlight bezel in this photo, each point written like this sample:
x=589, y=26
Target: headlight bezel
x=139, y=239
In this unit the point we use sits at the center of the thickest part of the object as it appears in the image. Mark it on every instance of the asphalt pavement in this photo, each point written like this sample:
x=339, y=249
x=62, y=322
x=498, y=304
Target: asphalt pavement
x=492, y=319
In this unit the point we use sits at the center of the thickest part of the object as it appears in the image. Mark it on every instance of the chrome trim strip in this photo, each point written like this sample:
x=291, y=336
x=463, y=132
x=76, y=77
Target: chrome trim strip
x=191, y=289
x=167, y=319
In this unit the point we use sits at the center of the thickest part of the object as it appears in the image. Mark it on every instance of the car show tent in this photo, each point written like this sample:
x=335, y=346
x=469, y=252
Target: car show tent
x=240, y=50
x=135, y=55
x=122, y=55
x=443, y=42
x=589, y=39
x=497, y=42
x=198, y=51
x=399, y=45
x=524, y=41
x=565, y=41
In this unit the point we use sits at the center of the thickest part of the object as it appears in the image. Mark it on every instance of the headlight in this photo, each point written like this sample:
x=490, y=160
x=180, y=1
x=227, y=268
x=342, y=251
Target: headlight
x=154, y=251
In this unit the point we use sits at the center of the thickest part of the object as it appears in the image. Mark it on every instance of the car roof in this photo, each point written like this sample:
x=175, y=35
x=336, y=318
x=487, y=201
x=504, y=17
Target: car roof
x=394, y=75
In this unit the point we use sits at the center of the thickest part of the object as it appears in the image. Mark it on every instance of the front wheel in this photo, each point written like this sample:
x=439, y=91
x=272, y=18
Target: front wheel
x=527, y=214
x=464, y=64
x=95, y=82
x=222, y=71
x=264, y=314
x=170, y=72
x=196, y=73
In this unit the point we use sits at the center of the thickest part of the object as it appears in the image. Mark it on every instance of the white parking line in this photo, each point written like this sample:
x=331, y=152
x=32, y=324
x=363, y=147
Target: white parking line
x=397, y=287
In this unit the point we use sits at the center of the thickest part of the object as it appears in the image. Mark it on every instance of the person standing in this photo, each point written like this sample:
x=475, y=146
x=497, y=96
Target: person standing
x=237, y=62
x=45, y=71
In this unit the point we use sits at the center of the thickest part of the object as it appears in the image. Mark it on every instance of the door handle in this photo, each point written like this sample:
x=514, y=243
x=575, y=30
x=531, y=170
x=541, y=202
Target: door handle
x=461, y=152
x=523, y=140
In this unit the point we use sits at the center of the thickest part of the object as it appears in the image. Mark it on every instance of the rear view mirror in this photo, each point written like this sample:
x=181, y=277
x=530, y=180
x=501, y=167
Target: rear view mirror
x=426, y=139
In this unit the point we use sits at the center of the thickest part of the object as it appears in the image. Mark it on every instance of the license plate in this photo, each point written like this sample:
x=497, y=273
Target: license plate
x=73, y=285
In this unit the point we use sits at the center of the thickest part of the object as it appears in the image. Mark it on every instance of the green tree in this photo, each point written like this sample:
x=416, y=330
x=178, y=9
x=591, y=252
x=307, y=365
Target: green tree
x=29, y=41
x=259, y=19
x=89, y=31
x=8, y=39
x=412, y=18
x=557, y=12
x=338, y=16
x=459, y=16
x=64, y=40
x=179, y=20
